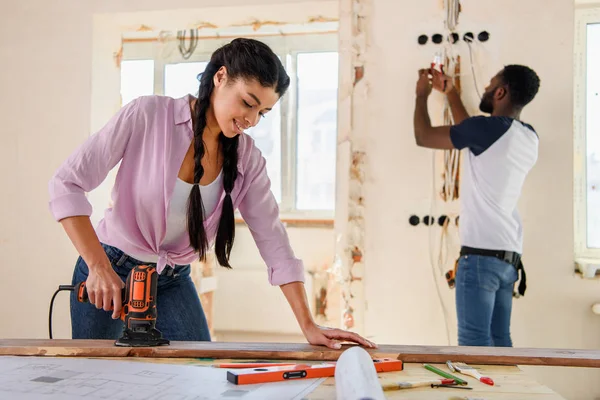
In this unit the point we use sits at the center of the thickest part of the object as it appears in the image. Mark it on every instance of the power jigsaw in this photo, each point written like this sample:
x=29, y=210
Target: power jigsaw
x=139, y=308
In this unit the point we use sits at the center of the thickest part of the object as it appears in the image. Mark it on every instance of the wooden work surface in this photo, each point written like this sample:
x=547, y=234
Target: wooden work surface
x=498, y=363
x=292, y=351
x=511, y=383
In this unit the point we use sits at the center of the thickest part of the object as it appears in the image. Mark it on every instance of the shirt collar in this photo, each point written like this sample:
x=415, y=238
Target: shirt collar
x=182, y=110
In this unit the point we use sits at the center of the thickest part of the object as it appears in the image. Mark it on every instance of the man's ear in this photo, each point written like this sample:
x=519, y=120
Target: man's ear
x=501, y=93
x=220, y=77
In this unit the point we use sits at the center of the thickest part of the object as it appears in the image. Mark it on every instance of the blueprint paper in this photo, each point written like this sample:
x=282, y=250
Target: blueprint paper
x=50, y=378
x=356, y=377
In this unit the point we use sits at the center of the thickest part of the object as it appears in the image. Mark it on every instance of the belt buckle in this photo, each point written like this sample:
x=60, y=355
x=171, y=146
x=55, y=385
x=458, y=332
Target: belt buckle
x=168, y=271
x=511, y=257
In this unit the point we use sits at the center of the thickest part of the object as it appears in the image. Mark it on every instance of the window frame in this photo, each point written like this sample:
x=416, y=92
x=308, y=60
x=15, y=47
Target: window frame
x=583, y=18
x=287, y=47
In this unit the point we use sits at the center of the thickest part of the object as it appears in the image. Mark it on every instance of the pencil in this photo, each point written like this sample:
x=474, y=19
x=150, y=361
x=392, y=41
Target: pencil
x=445, y=374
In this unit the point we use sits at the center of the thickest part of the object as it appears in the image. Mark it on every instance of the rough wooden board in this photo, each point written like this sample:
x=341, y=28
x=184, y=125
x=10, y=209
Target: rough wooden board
x=293, y=351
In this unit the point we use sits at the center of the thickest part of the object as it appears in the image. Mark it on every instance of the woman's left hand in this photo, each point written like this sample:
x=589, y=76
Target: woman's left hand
x=332, y=338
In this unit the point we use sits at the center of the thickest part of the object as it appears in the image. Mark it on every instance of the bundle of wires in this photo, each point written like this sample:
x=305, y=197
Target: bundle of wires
x=451, y=173
x=452, y=12
x=186, y=52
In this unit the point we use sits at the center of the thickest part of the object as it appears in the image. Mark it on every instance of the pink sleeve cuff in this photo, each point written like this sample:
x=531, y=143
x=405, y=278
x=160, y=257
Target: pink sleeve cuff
x=286, y=272
x=70, y=205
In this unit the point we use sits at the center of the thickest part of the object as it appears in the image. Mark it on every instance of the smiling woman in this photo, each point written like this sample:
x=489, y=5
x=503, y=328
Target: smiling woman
x=187, y=156
x=225, y=107
x=298, y=137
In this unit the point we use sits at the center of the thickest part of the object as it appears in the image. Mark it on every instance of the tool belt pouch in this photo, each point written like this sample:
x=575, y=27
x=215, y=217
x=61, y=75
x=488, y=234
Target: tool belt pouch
x=523, y=283
x=451, y=276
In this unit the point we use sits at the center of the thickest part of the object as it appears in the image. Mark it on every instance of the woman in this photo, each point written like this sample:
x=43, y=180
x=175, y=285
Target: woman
x=186, y=164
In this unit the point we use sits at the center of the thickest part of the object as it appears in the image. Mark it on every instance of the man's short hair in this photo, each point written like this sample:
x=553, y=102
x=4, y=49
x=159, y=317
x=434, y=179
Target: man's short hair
x=523, y=84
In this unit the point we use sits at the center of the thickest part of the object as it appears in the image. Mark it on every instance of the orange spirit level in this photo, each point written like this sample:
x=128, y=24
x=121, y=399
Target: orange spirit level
x=300, y=371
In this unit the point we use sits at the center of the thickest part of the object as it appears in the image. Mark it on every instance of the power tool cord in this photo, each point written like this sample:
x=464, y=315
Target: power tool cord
x=60, y=288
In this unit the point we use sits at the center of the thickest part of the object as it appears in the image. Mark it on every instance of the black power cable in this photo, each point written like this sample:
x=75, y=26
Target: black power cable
x=187, y=52
x=69, y=288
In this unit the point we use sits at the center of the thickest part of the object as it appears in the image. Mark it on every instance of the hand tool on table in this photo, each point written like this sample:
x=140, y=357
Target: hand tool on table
x=445, y=374
x=276, y=373
x=409, y=385
x=468, y=370
x=455, y=386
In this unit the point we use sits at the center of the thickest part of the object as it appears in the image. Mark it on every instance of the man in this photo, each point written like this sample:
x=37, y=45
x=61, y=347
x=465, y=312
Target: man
x=501, y=152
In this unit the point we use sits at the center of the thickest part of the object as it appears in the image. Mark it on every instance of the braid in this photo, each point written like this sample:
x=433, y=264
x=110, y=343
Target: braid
x=195, y=211
x=226, y=231
x=243, y=59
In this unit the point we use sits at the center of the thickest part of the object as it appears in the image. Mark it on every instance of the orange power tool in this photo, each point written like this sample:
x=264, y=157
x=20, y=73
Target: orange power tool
x=139, y=308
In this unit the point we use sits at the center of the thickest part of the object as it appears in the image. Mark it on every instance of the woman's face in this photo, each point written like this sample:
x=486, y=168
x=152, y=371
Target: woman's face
x=239, y=104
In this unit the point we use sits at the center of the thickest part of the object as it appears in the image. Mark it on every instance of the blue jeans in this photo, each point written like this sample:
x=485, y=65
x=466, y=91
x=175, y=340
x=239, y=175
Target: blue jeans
x=179, y=312
x=484, y=292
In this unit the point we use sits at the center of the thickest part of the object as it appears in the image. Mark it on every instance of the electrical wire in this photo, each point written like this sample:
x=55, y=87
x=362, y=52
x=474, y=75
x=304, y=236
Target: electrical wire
x=451, y=173
x=187, y=52
x=431, y=260
x=60, y=288
x=451, y=170
x=452, y=12
x=473, y=68
x=445, y=244
x=166, y=43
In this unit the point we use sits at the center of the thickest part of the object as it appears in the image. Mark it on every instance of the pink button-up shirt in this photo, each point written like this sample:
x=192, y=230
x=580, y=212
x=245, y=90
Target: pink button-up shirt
x=150, y=137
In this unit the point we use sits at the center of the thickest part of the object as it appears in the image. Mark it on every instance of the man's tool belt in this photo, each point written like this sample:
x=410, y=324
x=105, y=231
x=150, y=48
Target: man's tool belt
x=510, y=257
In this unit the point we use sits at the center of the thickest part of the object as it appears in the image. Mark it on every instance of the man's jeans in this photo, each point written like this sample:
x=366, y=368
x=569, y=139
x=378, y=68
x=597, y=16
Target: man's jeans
x=484, y=290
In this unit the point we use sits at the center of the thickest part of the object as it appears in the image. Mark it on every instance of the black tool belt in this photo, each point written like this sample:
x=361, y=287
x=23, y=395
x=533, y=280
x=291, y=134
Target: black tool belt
x=510, y=257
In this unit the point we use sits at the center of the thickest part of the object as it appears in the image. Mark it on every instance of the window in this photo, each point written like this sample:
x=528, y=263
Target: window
x=137, y=79
x=317, y=75
x=587, y=134
x=298, y=138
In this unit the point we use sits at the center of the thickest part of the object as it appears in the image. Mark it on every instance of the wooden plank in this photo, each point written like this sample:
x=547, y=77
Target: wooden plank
x=293, y=351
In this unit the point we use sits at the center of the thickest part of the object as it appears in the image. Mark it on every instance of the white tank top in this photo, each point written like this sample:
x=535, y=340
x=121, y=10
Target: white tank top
x=177, y=215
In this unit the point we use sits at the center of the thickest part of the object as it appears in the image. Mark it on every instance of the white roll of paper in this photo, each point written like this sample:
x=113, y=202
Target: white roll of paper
x=355, y=376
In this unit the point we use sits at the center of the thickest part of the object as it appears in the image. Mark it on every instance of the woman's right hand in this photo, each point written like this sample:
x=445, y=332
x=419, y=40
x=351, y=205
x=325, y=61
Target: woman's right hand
x=104, y=289
x=103, y=285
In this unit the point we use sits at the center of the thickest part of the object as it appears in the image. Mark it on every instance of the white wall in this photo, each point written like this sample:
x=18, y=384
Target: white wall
x=246, y=301
x=45, y=96
x=402, y=302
